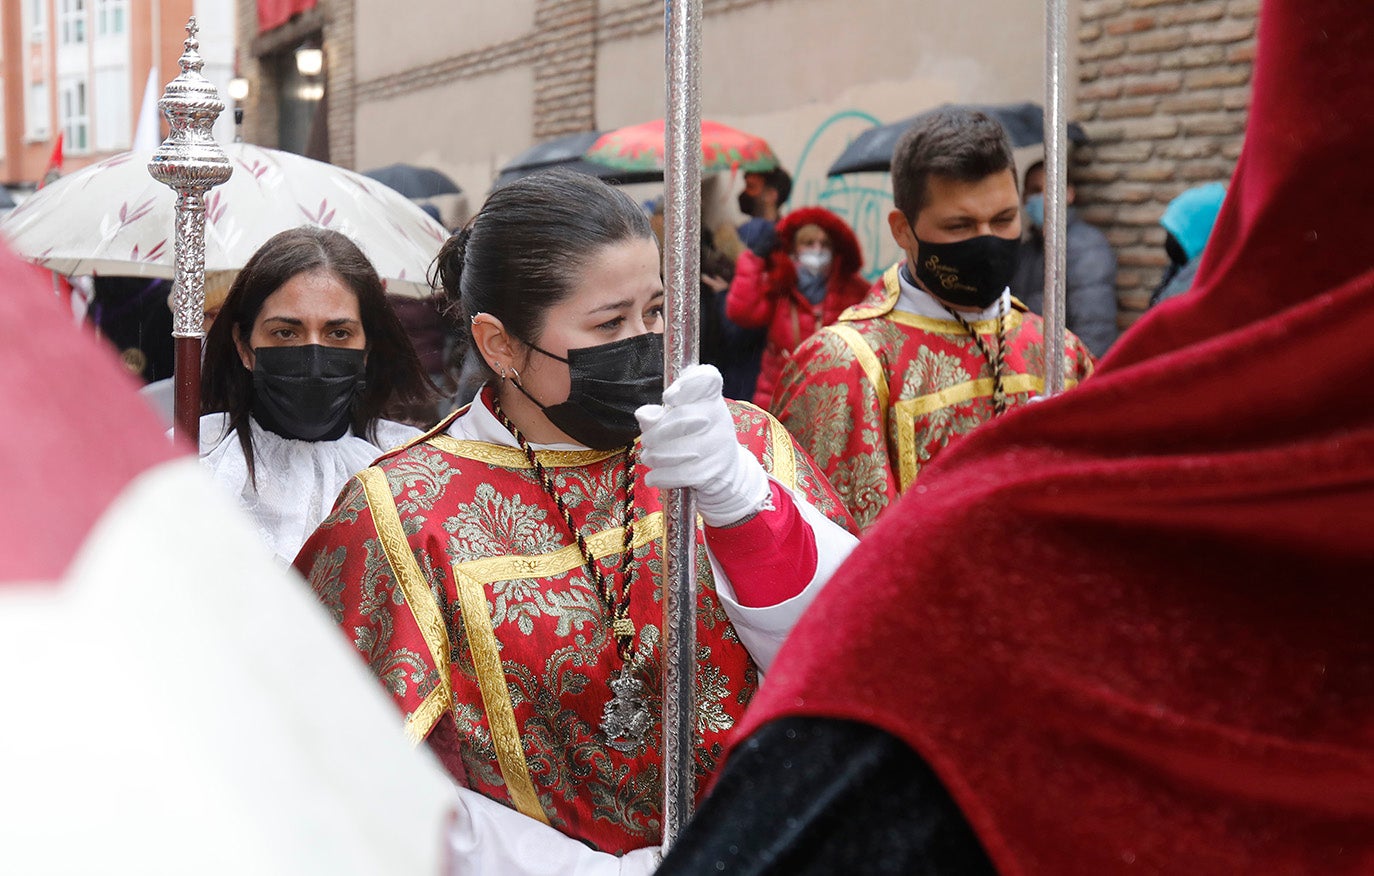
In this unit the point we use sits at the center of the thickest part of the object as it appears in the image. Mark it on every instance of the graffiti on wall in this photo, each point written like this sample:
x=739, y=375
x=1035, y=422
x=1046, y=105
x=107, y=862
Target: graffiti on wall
x=861, y=199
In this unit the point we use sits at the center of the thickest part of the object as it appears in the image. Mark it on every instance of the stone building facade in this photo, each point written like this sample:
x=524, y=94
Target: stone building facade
x=1163, y=88
x=464, y=85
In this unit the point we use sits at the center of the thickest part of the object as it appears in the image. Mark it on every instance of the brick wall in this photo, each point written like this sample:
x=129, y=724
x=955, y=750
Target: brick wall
x=565, y=73
x=340, y=79
x=1163, y=90
x=562, y=50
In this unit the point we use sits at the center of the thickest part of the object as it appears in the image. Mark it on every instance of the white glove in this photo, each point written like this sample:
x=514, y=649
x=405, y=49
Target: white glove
x=689, y=441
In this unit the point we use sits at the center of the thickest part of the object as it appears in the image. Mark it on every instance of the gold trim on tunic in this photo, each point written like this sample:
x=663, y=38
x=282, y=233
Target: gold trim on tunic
x=496, y=699
x=428, y=713
x=489, y=570
x=951, y=327
x=891, y=286
x=419, y=598
x=513, y=457
x=784, y=457
x=905, y=412
x=868, y=361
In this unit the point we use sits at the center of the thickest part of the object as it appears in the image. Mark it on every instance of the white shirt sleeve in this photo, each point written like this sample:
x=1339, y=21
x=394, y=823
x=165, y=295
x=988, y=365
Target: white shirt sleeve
x=762, y=630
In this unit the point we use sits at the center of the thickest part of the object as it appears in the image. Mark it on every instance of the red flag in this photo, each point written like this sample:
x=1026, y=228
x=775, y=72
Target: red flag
x=54, y=168
x=275, y=13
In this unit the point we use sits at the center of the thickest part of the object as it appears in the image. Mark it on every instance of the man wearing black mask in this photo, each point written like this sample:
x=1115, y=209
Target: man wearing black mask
x=939, y=345
x=761, y=200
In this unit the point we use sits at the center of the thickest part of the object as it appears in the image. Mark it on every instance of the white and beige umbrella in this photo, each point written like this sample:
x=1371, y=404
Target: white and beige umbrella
x=112, y=218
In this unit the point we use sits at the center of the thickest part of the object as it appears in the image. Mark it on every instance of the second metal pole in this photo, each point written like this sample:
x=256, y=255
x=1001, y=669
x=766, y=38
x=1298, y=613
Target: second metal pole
x=682, y=269
x=1056, y=196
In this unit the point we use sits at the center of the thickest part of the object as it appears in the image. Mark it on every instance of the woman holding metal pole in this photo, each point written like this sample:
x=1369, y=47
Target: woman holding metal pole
x=501, y=574
x=1165, y=664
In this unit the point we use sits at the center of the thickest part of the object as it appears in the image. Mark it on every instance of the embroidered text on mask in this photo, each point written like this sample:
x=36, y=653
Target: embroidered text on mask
x=969, y=273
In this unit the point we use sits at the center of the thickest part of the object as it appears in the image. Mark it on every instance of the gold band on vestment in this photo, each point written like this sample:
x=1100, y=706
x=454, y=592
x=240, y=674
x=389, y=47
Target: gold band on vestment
x=905, y=412
x=488, y=570
x=470, y=580
x=513, y=457
x=496, y=699
x=951, y=326
x=420, y=600
x=784, y=456
x=868, y=361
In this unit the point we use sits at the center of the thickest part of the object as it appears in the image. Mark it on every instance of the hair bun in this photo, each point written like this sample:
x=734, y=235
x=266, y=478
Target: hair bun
x=446, y=274
x=458, y=241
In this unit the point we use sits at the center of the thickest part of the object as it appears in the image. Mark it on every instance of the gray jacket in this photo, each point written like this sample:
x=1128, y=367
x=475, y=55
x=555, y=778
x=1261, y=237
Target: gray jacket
x=1091, y=280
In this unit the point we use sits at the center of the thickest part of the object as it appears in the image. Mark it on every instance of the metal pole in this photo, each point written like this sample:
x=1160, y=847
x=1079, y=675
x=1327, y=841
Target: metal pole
x=682, y=235
x=1056, y=195
x=191, y=163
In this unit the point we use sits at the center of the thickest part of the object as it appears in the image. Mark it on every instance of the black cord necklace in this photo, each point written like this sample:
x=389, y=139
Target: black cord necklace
x=996, y=358
x=625, y=718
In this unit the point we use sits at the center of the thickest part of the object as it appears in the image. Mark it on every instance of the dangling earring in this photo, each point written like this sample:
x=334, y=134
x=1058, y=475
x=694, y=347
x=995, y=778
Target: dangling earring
x=516, y=376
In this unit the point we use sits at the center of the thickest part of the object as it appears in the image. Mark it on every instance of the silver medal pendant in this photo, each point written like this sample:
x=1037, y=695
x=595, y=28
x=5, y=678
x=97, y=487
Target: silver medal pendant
x=625, y=718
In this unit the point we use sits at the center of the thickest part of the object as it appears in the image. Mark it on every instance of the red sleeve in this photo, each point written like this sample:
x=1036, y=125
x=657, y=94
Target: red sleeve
x=749, y=303
x=771, y=557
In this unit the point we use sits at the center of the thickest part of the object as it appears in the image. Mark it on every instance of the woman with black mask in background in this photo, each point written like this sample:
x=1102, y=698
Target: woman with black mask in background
x=500, y=577
x=302, y=363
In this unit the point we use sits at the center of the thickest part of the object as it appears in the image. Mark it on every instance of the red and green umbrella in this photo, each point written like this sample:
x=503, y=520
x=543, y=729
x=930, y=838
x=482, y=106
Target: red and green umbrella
x=641, y=148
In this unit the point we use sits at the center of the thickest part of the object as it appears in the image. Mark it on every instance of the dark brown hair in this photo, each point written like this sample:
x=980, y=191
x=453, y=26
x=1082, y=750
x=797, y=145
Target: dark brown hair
x=393, y=379
x=959, y=144
x=518, y=255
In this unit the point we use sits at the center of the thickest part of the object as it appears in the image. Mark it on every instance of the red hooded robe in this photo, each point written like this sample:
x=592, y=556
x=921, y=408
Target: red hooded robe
x=765, y=294
x=1132, y=628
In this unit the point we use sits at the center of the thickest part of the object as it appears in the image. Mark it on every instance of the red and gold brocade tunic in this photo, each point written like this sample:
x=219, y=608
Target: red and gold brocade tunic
x=875, y=396
x=455, y=576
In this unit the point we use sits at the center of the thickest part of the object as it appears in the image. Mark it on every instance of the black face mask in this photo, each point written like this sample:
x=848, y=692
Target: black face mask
x=306, y=392
x=970, y=273
x=609, y=382
x=747, y=203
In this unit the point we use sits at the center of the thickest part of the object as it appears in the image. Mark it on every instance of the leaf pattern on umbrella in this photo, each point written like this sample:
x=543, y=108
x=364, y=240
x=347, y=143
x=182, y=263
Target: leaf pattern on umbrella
x=321, y=217
x=151, y=255
x=433, y=232
x=112, y=161
x=359, y=181
x=255, y=170
x=116, y=160
x=128, y=216
x=214, y=206
x=113, y=217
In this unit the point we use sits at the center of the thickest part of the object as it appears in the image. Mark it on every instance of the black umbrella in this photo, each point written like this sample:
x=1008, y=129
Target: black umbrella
x=566, y=152
x=414, y=182
x=872, y=150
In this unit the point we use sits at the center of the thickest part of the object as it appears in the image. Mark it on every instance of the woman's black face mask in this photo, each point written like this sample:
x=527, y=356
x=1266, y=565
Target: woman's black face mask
x=306, y=392
x=609, y=383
